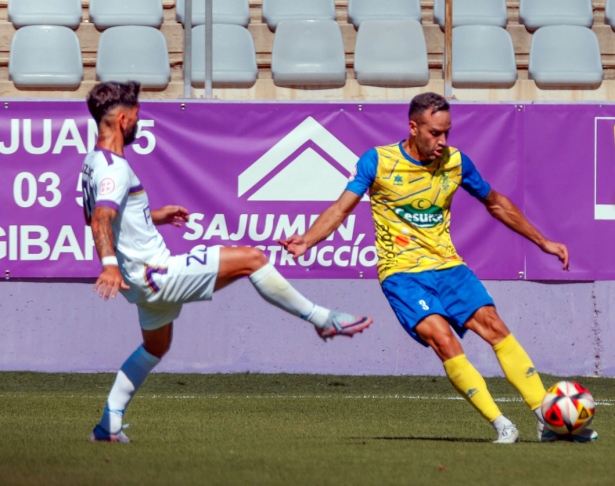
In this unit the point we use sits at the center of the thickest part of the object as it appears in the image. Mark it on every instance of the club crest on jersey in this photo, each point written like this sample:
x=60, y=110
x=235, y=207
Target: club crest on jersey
x=421, y=213
x=107, y=186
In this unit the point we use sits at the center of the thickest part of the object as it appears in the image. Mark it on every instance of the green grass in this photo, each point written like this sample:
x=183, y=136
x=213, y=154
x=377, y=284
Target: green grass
x=286, y=430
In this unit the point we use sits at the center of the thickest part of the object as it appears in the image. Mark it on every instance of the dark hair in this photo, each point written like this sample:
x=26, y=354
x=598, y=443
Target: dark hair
x=105, y=96
x=425, y=101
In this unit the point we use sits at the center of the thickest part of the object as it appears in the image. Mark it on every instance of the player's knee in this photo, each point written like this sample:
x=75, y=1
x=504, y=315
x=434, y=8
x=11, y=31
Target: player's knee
x=446, y=345
x=492, y=327
x=255, y=258
x=157, y=349
x=158, y=342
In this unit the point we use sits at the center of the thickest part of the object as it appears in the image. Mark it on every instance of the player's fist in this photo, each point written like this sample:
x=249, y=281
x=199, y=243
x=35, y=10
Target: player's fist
x=295, y=245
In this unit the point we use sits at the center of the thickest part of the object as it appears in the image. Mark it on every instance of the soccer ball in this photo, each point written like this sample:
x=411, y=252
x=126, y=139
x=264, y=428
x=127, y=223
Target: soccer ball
x=568, y=407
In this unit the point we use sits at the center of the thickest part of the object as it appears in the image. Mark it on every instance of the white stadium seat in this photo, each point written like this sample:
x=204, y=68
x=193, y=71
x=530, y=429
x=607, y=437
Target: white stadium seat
x=45, y=12
x=539, y=13
x=134, y=53
x=391, y=53
x=308, y=53
x=360, y=10
x=483, y=55
x=565, y=56
x=224, y=12
x=609, y=12
x=112, y=13
x=470, y=12
x=274, y=11
x=45, y=56
x=234, y=57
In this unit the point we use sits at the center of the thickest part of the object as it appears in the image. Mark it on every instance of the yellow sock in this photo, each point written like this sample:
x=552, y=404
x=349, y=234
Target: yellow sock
x=520, y=371
x=471, y=385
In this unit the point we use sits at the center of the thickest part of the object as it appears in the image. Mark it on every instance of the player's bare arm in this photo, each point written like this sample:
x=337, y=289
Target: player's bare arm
x=110, y=279
x=327, y=222
x=174, y=215
x=504, y=210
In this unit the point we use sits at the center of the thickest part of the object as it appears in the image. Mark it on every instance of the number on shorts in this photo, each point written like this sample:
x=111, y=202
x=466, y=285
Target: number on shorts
x=189, y=258
x=423, y=304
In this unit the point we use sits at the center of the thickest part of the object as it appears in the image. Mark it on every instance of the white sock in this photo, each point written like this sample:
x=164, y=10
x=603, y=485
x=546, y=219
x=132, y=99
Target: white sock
x=276, y=290
x=538, y=413
x=500, y=422
x=131, y=376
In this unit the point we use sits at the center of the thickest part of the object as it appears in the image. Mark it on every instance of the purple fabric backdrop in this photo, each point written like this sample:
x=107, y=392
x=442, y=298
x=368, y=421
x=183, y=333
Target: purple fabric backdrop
x=254, y=172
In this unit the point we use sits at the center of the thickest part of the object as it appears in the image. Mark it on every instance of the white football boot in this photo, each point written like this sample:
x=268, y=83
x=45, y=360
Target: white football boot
x=508, y=435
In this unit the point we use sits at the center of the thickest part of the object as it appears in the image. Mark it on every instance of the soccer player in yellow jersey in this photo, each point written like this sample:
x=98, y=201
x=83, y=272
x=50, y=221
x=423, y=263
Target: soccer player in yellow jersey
x=432, y=292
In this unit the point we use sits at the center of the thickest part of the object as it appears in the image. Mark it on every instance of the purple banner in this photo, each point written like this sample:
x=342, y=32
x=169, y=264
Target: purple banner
x=570, y=187
x=251, y=173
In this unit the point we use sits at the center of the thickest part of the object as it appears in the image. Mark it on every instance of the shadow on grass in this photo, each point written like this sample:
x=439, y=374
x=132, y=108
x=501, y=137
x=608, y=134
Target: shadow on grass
x=426, y=439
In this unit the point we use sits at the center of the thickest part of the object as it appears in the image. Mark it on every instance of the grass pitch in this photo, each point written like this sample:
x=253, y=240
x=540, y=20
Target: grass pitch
x=286, y=430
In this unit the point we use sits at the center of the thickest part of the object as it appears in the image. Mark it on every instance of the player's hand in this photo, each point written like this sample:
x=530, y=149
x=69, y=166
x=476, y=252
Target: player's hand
x=175, y=215
x=295, y=245
x=109, y=282
x=559, y=250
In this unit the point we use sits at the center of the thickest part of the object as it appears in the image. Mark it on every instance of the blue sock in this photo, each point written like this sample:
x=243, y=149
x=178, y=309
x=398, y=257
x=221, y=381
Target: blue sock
x=131, y=376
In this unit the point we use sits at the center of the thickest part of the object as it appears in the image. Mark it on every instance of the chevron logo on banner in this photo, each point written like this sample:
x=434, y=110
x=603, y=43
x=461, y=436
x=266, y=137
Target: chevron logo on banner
x=297, y=167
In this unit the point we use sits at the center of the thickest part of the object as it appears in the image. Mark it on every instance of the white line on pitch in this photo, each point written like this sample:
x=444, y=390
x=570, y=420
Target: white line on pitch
x=604, y=402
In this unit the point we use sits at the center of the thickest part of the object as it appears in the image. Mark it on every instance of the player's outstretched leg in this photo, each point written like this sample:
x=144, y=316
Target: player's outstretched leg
x=472, y=386
x=131, y=376
x=521, y=373
x=436, y=332
x=275, y=289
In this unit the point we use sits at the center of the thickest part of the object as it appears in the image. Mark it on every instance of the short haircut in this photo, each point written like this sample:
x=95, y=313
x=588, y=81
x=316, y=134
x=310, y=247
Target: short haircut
x=104, y=97
x=427, y=101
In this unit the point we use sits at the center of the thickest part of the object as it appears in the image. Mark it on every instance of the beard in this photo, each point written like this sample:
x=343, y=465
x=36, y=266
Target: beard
x=129, y=136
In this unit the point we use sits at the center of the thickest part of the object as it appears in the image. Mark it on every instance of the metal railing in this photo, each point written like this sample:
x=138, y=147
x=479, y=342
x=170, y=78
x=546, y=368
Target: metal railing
x=188, y=48
x=448, y=49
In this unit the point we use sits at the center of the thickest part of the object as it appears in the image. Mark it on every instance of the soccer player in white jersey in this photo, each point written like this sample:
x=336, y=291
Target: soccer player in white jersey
x=137, y=263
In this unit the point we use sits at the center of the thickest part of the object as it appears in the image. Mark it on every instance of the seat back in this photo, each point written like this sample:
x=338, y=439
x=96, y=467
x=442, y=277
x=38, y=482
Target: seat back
x=45, y=12
x=539, y=13
x=274, y=11
x=224, y=12
x=469, y=12
x=360, y=10
x=483, y=55
x=391, y=53
x=308, y=53
x=234, y=57
x=111, y=13
x=134, y=53
x=565, y=55
x=45, y=56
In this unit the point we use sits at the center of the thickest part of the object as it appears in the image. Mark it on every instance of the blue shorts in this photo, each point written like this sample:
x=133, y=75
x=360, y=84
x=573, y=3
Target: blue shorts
x=454, y=293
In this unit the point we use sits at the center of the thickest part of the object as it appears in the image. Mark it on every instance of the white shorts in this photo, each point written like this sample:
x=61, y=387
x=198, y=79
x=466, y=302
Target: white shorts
x=160, y=291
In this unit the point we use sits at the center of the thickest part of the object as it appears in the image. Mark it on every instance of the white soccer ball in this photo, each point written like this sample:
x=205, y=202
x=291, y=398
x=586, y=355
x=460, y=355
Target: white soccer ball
x=568, y=407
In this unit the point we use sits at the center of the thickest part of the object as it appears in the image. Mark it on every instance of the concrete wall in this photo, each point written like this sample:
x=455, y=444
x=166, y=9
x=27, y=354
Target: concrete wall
x=567, y=328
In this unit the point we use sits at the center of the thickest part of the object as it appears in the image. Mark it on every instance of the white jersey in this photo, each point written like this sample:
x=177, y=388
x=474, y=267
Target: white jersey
x=108, y=180
x=159, y=283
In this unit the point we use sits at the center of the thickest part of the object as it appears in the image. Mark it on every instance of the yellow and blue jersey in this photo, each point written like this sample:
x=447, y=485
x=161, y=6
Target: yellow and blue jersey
x=411, y=202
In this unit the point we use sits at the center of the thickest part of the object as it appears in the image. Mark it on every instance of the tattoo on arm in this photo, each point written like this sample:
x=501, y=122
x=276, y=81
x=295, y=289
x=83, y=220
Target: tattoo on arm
x=102, y=231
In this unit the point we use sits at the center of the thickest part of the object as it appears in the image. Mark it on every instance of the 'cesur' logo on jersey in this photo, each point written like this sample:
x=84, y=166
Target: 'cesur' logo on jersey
x=421, y=213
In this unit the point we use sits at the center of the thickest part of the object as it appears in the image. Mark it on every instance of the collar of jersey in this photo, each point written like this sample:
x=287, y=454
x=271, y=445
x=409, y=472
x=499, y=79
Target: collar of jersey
x=411, y=160
x=98, y=149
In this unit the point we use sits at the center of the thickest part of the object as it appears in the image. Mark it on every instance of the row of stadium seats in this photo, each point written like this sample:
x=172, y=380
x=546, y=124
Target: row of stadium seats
x=309, y=53
x=105, y=13
x=386, y=53
x=305, y=53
